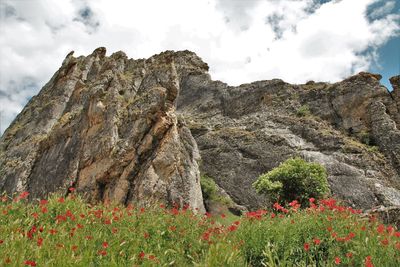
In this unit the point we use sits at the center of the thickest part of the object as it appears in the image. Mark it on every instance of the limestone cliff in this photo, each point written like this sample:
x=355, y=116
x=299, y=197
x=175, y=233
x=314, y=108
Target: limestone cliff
x=118, y=129
x=351, y=127
x=106, y=126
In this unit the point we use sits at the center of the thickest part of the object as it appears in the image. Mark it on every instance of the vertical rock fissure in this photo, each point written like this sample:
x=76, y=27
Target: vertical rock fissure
x=143, y=162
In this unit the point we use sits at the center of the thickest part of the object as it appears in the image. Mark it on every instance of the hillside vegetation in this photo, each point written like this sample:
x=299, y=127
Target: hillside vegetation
x=67, y=232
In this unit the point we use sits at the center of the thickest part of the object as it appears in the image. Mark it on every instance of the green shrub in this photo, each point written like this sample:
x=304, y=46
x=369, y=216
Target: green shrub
x=303, y=111
x=294, y=179
x=210, y=191
x=364, y=137
x=373, y=149
x=208, y=187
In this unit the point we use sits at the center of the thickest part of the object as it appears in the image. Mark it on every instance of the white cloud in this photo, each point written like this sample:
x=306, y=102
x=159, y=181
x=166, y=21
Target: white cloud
x=243, y=41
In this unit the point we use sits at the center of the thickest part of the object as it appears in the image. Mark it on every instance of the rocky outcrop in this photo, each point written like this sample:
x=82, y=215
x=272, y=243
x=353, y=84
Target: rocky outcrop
x=126, y=130
x=107, y=126
x=247, y=130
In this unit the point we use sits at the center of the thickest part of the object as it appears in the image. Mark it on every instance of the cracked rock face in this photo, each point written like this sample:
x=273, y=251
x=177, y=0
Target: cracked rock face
x=350, y=127
x=139, y=131
x=108, y=127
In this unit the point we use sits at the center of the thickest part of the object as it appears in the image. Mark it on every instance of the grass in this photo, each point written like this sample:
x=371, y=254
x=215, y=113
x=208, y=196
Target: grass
x=68, y=232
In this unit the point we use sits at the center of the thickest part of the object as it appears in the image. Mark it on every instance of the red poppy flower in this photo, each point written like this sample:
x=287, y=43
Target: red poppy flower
x=337, y=260
x=141, y=255
x=385, y=242
x=1, y=242
x=380, y=229
x=277, y=206
x=68, y=213
x=40, y=241
x=105, y=244
x=350, y=236
x=306, y=246
x=152, y=257
x=61, y=200
x=74, y=247
x=53, y=231
x=146, y=235
x=175, y=211
x=102, y=252
x=232, y=228
x=206, y=236
x=349, y=254
x=317, y=241
x=30, y=263
x=43, y=202
x=71, y=189
x=23, y=195
x=368, y=262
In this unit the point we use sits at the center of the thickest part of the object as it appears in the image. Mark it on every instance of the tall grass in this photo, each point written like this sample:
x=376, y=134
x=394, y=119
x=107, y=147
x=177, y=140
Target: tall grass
x=68, y=232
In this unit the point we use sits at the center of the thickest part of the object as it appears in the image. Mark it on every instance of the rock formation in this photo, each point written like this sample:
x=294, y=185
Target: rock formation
x=106, y=126
x=350, y=127
x=118, y=130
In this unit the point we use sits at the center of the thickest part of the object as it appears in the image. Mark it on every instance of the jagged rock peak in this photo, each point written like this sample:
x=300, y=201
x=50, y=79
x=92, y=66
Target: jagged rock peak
x=108, y=127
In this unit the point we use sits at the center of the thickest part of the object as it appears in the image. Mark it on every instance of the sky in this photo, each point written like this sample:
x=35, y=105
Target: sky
x=241, y=40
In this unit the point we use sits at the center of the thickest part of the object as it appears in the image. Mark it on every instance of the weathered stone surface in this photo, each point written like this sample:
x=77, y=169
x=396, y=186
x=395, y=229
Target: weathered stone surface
x=109, y=123
x=247, y=130
x=388, y=215
x=108, y=127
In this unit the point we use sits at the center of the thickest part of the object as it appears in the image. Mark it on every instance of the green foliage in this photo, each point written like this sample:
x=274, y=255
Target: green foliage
x=303, y=111
x=208, y=187
x=210, y=191
x=317, y=238
x=294, y=179
x=69, y=232
x=373, y=149
x=365, y=138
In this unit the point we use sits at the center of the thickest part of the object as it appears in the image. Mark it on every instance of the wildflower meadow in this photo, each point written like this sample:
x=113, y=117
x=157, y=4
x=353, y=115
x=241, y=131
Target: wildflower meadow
x=66, y=231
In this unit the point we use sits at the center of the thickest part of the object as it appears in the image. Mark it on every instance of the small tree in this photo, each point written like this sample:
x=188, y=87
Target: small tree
x=294, y=179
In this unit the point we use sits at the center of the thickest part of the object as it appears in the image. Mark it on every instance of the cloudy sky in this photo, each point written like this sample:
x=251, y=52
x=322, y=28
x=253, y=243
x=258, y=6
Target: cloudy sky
x=241, y=40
